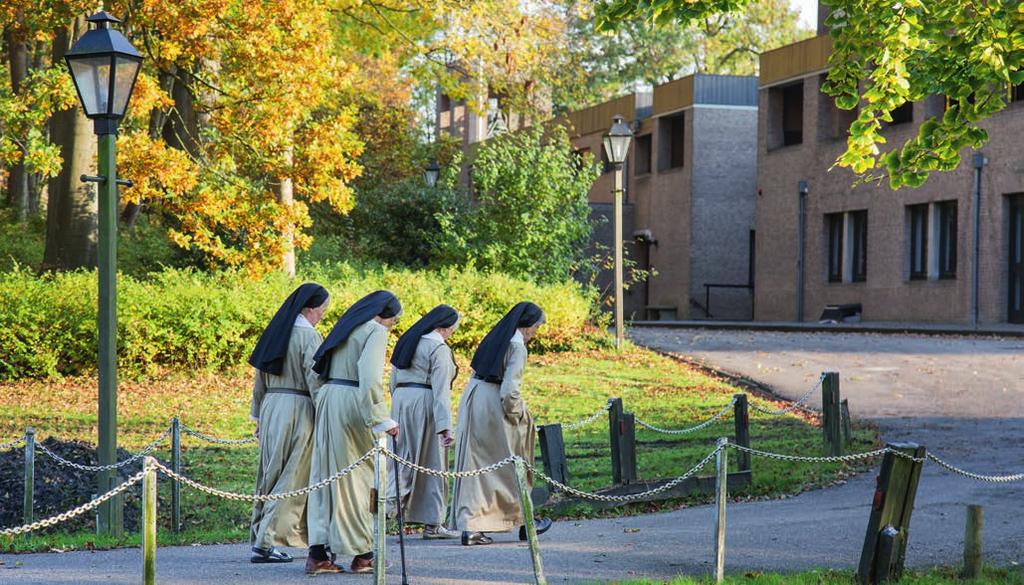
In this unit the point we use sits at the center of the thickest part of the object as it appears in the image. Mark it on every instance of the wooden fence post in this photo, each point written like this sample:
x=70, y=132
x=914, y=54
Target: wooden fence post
x=627, y=444
x=526, y=503
x=844, y=412
x=972, y=542
x=721, y=494
x=831, y=425
x=30, y=474
x=149, y=521
x=380, y=484
x=741, y=420
x=891, y=506
x=176, y=466
x=552, y=453
x=614, y=434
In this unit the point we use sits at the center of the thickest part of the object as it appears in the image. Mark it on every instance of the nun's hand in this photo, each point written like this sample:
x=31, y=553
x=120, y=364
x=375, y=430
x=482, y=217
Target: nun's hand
x=394, y=431
x=256, y=430
x=446, y=439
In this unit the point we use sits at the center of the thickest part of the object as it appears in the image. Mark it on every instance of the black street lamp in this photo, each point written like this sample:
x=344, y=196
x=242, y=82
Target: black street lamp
x=431, y=172
x=616, y=146
x=104, y=67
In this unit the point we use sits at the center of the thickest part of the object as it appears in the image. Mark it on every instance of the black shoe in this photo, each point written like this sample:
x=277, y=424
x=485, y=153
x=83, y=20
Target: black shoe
x=472, y=538
x=543, y=525
x=271, y=555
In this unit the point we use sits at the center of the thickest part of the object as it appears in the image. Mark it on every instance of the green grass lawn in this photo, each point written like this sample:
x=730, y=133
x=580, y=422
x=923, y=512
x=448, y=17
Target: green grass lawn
x=939, y=576
x=558, y=388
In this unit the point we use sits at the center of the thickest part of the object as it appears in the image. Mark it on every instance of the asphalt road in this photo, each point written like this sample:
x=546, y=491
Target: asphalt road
x=958, y=396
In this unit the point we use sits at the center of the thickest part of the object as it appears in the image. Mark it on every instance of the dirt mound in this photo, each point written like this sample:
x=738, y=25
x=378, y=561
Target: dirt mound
x=59, y=488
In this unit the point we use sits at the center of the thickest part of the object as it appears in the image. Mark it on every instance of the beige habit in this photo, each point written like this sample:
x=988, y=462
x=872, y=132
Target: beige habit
x=494, y=423
x=423, y=413
x=284, y=410
x=339, y=515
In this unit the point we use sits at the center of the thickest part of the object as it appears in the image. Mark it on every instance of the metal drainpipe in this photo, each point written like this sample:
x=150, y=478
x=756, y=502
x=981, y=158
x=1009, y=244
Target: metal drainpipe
x=800, y=237
x=979, y=163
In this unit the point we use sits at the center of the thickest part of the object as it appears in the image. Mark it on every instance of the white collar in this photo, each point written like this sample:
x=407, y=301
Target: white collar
x=518, y=337
x=302, y=321
x=434, y=335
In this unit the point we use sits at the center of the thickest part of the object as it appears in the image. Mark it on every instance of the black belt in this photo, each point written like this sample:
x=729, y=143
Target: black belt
x=343, y=382
x=414, y=385
x=288, y=391
x=481, y=378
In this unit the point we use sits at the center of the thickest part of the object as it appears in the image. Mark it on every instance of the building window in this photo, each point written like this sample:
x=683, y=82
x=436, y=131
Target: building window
x=1017, y=95
x=642, y=152
x=918, y=218
x=786, y=115
x=444, y=102
x=671, y=132
x=579, y=156
x=903, y=114
x=833, y=123
x=945, y=212
x=835, y=221
x=859, y=245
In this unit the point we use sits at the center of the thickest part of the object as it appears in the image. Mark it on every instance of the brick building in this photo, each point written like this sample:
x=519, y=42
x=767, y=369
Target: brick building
x=906, y=255
x=689, y=190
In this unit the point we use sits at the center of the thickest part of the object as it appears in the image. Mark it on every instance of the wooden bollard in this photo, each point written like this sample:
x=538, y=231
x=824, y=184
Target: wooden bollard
x=972, y=542
x=741, y=420
x=844, y=412
x=721, y=495
x=627, y=446
x=526, y=503
x=176, y=467
x=149, y=521
x=831, y=425
x=30, y=474
x=380, y=484
x=552, y=453
x=614, y=437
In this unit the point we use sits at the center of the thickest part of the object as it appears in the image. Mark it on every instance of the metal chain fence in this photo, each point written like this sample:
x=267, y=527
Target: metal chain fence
x=725, y=410
x=798, y=404
x=211, y=439
x=145, y=451
x=976, y=476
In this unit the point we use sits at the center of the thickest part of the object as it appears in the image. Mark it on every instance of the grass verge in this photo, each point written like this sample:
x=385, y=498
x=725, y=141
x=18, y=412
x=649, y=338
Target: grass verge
x=558, y=388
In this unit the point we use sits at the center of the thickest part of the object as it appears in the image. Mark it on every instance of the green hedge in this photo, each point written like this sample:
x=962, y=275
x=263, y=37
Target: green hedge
x=189, y=319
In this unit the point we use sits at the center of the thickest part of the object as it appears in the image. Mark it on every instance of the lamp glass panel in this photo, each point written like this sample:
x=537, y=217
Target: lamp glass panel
x=92, y=76
x=620, y=145
x=608, y=152
x=430, y=176
x=124, y=80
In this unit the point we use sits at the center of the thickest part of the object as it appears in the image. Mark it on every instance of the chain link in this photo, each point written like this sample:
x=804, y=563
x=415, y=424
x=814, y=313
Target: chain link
x=627, y=498
x=589, y=419
x=725, y=410
x=63, y=516
x=14, y=443
x=977, y=476
x=792, y=407
x=449, y=474
x=265, y=497
x=145, y=451
x=822, y=459
x=211, y=439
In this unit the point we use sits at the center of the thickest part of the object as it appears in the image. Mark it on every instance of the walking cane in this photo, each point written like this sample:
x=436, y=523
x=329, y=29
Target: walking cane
x=400, y=514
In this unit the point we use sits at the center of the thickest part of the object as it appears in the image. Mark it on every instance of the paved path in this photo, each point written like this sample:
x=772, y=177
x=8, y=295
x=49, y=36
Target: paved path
x=960, y=397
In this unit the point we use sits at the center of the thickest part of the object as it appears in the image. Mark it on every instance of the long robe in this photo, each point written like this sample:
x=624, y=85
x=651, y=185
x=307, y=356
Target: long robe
x=494, y=423
x=423, y=413
x=339, y=515
x=286, y=443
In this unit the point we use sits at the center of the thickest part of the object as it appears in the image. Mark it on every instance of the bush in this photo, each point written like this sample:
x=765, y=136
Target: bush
x=196, y=320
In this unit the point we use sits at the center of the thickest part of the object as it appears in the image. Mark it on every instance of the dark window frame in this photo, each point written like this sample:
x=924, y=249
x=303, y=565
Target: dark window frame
x=918, y=216
x=835, y=225
x=792, y=122
x=904, y=114
x=672, y=142
x=948, y=224
x=1017, y=93
x=643, y=153
x=859, y=259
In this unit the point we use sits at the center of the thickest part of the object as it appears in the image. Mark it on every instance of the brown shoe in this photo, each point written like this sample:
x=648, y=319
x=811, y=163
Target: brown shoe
x=362, y=565
x=315, y=567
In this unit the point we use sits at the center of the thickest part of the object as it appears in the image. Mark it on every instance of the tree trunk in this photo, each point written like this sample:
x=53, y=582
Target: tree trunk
x=285, y=196
x=36, y=184
x=71, y=215
x=17, y=181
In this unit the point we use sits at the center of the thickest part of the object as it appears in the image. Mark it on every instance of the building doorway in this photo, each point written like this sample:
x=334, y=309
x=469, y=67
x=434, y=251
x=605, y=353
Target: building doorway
x=1015, y=312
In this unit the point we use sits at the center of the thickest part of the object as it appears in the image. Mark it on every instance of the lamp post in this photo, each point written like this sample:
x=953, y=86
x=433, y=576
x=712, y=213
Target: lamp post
x=431, y=172
x=104, y=67
x=616, y=145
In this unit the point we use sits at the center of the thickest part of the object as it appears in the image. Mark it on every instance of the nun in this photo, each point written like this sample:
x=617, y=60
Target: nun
x=494, y=424
x=421, y=391
x=282, y=406
x=350, y=411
